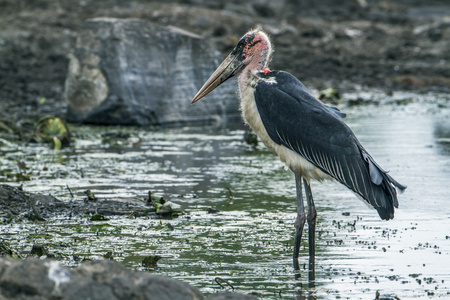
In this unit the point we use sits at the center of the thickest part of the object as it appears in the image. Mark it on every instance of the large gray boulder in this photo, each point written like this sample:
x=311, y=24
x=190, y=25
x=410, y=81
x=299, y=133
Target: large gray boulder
x=230, y=296
x=133, y=72
x=46, y=279
x=34, y=279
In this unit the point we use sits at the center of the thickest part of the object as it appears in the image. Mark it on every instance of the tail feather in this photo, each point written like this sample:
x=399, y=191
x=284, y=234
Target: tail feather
x=382, y=192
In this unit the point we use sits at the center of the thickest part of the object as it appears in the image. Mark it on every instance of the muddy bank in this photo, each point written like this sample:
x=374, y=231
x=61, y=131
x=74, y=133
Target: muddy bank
x=382, y=44
x=16, y=204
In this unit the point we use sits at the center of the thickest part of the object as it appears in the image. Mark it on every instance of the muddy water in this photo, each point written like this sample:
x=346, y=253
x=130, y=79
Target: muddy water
x=249, y=242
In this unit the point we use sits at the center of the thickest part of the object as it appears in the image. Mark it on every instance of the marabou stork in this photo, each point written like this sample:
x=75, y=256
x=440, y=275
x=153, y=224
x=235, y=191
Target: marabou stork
x=307, y=135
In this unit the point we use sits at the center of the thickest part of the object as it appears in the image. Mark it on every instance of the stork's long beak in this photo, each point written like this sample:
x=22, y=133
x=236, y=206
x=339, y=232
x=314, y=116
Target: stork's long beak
x=227, y=69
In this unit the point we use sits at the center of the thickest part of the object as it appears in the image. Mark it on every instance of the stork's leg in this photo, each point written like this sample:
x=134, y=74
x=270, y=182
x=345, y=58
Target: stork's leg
x=311, y=217
x=299, y=221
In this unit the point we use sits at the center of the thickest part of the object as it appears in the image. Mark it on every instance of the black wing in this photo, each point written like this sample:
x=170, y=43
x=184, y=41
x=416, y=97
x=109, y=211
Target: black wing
x=297, y=120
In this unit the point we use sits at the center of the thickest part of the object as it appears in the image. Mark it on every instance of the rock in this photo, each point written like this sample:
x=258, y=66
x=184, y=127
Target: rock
x=133, y=72
x=24, y=279
x=230, y=296
x=109, y=280
x=46, y=279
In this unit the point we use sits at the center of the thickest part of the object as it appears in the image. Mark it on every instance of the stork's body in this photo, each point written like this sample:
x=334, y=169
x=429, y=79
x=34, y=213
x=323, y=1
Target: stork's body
x=307, y=135
x=251, y=115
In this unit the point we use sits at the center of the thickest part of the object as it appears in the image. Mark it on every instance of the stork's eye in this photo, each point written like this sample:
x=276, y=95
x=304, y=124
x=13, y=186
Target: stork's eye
x=243, y=42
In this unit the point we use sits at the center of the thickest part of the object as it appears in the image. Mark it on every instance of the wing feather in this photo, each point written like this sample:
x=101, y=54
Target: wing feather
x=294, y=118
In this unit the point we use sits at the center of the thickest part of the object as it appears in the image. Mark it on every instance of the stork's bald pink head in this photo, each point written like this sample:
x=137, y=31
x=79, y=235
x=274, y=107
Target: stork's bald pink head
x=254, y=48
x=251, y=54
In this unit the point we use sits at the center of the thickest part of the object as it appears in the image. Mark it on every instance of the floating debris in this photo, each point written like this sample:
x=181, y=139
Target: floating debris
x=167, y=228
x=108, y=255
x=53, y=130
x=115, y=138
x=90, y=195
x=98, y=217
x=329, y=95
x=162, y=207
x=151, y=261
x=379, y=296
x=38, y=250
x=251, y=139
x=155, y=199
x=211, y=210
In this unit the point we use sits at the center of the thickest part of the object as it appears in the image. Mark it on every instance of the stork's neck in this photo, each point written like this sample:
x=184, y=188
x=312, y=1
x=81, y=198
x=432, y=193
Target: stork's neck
x=245, y=79
x=248, y=79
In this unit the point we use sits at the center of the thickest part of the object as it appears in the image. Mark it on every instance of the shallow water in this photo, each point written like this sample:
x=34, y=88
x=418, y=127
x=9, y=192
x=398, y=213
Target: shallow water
x=249, y=242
